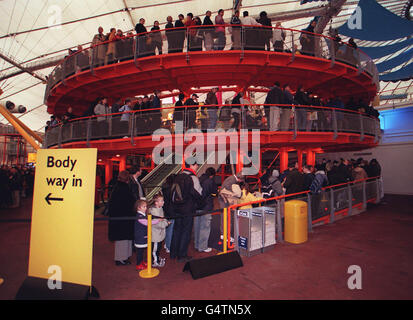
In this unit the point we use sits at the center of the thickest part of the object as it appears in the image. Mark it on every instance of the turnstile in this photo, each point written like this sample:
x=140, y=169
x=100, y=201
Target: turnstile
x=255, y=230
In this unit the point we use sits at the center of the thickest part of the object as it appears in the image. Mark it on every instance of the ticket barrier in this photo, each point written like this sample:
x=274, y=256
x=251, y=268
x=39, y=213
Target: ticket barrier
x=255, y=230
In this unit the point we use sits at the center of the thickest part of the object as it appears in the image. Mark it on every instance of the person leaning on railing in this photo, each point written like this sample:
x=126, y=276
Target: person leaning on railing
x=98, y=49
x=101, y=109
x=111, y=51
x=156, y=38
x=209, y=33
x=142, y=41
x=250, y=40
x=82, y=59
x=278, y=38
x=307, y=39
x=190, y=111
x=180, y=34
x=212, y=99
x=265, y=34
x=170, y=35
x=220, y=30
x=236, y=31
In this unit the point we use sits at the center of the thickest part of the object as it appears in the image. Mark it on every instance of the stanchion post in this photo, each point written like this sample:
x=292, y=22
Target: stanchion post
x=332, y=211
x=364, y=196
x=279, y=223
x=225, y=231
x=350, y=200
x=377, y=191
x=309, y=215
x=149, y=272
x=225, y=241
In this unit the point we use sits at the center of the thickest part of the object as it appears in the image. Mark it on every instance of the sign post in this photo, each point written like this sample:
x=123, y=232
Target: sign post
x=61, y=240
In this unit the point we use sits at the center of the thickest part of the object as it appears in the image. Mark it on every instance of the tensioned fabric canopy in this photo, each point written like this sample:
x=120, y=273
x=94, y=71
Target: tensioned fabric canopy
x=396, y=61
x=401, y=74
x=382, y=51
x=377, y=23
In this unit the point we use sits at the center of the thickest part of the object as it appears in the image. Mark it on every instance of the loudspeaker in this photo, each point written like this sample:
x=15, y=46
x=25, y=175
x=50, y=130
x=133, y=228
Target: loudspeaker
x=37, y=289
x=204, y=267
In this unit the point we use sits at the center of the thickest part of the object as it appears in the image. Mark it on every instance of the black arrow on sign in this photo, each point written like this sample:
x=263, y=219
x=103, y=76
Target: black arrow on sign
x=49, y=198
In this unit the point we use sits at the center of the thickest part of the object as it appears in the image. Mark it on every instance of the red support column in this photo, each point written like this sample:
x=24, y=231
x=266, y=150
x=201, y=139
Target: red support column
x=310, y=157
x=108, y=173
x=283, y=160
x=300, y=159
x=122, y=163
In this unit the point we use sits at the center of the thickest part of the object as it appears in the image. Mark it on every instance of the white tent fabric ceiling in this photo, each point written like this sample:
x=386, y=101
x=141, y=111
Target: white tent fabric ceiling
x=26, y=37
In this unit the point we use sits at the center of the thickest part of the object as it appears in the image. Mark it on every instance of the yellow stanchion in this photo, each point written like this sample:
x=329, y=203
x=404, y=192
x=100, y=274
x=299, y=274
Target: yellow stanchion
x=149, y=272
x=225, y=240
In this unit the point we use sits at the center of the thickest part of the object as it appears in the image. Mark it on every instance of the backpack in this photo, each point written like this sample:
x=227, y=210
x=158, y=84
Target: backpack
x=178, y=189
x=317, y=184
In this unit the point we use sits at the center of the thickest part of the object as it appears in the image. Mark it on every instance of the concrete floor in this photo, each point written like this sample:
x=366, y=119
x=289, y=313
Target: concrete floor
x=379, y=241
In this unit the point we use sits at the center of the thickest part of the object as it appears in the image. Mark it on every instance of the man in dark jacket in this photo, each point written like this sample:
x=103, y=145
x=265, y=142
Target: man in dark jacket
x=191, y=191
x=179, y=112
x=320, y=181
x=193, y=104
x=288, y=99
x=135, y=184
x=208, y=32
x=121, y=204
x=212, y=99
x=275, y=96
x=294, y=182
x=170, y=35
x=180, y=33
x=141, y=43
x=308, y=177
x=202, y=224
x=301, y=98
x=344, y=171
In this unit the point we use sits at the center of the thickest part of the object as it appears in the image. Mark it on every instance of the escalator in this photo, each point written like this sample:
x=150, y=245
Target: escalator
x=153, y=181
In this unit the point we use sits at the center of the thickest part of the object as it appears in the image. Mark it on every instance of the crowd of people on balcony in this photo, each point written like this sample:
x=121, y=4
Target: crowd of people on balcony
x=282, y=108
x=16, y=182
x=191, y=32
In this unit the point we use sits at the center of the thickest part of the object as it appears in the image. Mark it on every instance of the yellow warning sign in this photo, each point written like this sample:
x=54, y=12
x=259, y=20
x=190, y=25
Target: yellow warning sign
x=62, y=217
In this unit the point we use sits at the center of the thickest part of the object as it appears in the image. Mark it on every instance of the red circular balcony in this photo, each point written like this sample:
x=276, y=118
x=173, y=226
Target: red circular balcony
x=330, y=129
x=325, y=67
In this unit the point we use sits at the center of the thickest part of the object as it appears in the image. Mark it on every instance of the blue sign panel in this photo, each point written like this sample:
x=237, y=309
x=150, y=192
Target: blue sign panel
x=243, y=242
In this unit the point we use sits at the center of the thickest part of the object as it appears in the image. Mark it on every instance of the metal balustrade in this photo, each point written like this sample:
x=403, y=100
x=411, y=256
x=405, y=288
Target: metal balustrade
x=143, y=123
x=205, y=38
x=333, y=203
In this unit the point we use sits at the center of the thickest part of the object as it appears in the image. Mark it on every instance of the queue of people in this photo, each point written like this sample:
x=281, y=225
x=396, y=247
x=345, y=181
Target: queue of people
x=176, y=209
x=16, y=182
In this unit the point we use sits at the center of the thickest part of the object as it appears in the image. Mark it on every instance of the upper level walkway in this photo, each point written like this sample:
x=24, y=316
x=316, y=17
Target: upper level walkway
x=249, y=57
x=295, y=126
